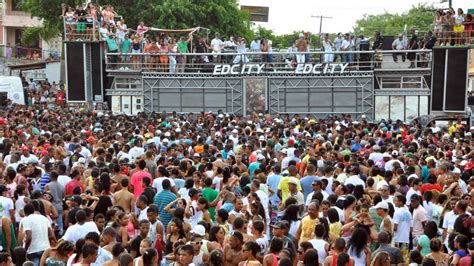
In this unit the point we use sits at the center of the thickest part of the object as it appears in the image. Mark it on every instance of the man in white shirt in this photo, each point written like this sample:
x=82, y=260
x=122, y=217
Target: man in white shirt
x=354, y=178
x=216, y=43
x=317, y=184
x=137, y=150
x=38, y=232
x=6, y=204
x=449, y=219
x=80, y=229
x=402, y=221
x=102, y=254
x=419, y=217
x=399, y=44
x=162, y=175
x=414, y=189
x=389, y=164
x=376, y=155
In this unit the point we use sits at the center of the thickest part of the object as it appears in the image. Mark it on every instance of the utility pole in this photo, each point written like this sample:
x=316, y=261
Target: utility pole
x=321, y=17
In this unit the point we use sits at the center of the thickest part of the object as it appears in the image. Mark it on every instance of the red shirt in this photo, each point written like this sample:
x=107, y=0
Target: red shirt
x=429, y=186
x=136, y=182
x=71, y=185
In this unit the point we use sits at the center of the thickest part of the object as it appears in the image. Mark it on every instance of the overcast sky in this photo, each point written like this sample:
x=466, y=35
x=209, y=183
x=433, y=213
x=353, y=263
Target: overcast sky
x=287, y=16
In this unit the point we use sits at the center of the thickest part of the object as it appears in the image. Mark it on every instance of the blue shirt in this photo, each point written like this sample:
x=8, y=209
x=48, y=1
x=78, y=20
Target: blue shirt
x=162, y=199
x=228, y=206
x=179, y=183
x=307, y=184
x=252, y=167
x=272, y=181
x=45, y=179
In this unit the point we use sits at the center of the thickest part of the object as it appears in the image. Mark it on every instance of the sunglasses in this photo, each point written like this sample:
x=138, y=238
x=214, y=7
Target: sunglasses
x=197, y=243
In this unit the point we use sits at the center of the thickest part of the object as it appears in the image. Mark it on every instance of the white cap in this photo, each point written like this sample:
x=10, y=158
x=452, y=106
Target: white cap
x=261, y=138
x=293, y=181
x=235, y=131
x=218, y=134
x=284, y=151
x=165, y=140
x=386, y=155
x=199, y=230
x=220, y=116
x=382, y=205
x=167, y=134
x=394, y=153
x=178, y=130
x=158, y=132
x=81, y=160
x=260, y=157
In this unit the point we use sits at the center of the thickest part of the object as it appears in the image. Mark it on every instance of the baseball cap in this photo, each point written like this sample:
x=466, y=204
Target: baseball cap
x=293, y=181
x=199, y=230
x=382, y=205
x=260, y=157
x=81, y=160
x=281, y=225
x=415, y=197
x=192, y=192
x=77, y=199
x=394, y=153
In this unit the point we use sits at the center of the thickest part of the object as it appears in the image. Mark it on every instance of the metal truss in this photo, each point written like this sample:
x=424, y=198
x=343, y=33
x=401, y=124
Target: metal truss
x=209, y=92
x=283, y=88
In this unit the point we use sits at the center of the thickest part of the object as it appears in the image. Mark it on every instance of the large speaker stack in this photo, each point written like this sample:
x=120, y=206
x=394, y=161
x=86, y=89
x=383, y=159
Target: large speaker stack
x=449, y=79
x=85, y=71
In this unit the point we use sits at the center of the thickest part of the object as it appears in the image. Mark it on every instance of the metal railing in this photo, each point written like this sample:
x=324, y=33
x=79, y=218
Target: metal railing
x=81, y=31
x=25, y=53
x=88, y=31
x=318, y=62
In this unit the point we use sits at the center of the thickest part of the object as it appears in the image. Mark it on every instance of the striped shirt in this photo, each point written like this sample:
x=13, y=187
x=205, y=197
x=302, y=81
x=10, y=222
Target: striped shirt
x=162, y=199
x=45, y=179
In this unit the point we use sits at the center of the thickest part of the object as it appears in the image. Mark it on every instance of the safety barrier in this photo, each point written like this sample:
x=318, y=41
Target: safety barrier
x=233, y=63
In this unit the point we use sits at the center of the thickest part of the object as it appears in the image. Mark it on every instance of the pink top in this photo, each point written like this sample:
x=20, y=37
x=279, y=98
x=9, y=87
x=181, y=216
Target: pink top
x=466, y=261
x=136, y=182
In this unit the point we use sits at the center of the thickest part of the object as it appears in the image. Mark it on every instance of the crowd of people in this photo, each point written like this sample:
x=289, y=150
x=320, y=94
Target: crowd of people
x=91, y=188
x=453, y=28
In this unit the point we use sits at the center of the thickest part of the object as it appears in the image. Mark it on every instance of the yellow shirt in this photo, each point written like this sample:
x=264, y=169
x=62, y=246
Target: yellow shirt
x=335, y=229
x=307, y=228
x=285, y=190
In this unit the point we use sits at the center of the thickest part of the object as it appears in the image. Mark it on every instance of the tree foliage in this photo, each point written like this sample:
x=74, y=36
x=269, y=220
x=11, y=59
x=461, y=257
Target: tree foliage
x=49, y=11
x=418, y=17
x=283, y=41
x=222, y=16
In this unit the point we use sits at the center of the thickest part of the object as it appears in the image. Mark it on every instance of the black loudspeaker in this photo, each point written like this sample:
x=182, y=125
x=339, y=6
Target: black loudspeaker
x=456, y=80
x=470, y=100
x=387, y=42
x=96, y=65
x=76, y=90
x=449, y=79
x=438, y=75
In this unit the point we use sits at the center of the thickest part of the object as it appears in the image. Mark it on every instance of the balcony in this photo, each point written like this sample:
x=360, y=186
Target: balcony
x=14, y=18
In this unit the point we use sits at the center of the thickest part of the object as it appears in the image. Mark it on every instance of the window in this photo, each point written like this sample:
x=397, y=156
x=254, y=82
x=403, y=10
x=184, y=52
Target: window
x=16, y=5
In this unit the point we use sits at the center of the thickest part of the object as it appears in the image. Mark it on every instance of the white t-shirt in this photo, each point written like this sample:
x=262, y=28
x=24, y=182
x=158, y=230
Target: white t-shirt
x=30, y=159
x=419, y=216
x=410, y=193
x=216, y=44
x=402, y=218
x=319, y=245
x=136, y=152
x=77, y=231
x=448, y=223
x=63, y=180
x=6, y=204
x=355, y=181
x=184, y=193
x=310, y=196
x=157, y=183
x=263, y=243
x=38, y=225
